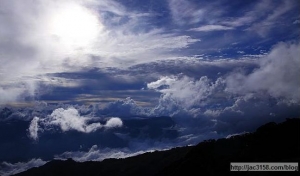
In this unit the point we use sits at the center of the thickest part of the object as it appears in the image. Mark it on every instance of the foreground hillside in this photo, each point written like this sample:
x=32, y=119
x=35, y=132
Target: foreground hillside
x=270, y=143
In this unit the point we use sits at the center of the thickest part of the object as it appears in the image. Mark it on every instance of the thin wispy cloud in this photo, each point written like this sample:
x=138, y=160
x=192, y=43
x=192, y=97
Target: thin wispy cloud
x=208, y=28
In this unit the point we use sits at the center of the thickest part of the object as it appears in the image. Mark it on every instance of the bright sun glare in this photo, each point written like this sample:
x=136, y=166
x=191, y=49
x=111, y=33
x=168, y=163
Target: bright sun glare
x=75, y=26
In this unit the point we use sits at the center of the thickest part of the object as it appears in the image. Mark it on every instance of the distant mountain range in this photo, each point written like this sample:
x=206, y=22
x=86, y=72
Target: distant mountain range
x=269, y=143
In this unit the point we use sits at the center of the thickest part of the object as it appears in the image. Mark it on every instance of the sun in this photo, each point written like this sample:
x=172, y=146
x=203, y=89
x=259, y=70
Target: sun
x=74, y=26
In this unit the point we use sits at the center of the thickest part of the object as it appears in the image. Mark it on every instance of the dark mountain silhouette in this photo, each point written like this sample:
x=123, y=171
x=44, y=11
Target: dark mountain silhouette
x=270, y=143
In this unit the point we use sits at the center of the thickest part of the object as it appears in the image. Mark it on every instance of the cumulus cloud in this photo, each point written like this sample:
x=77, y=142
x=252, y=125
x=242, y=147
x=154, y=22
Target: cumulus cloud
x=186, y=92
x=278, y=74
x=70, y=119
x=114, y=122
x=33, y=128
x=215, y=111
x=7, y=169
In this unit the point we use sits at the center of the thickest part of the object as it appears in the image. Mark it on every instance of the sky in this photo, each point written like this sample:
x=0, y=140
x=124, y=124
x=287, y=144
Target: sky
x=92, y=79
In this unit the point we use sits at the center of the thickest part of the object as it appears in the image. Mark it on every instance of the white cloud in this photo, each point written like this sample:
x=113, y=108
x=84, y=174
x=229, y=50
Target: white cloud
x=33, y=128
x=184, y=12
x=114, y=122
x=212, y=113
x=257, y=12
x=262, y=17
x=237, y=22
x=161, y=82
x=264, y=23
x=208, y=28
x=186, y=92
x=278, y=74
x=70, y=119
x=236, y=134
x=7, y=169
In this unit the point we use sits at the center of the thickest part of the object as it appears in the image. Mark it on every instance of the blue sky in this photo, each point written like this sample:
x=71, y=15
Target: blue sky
x=75, y=69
